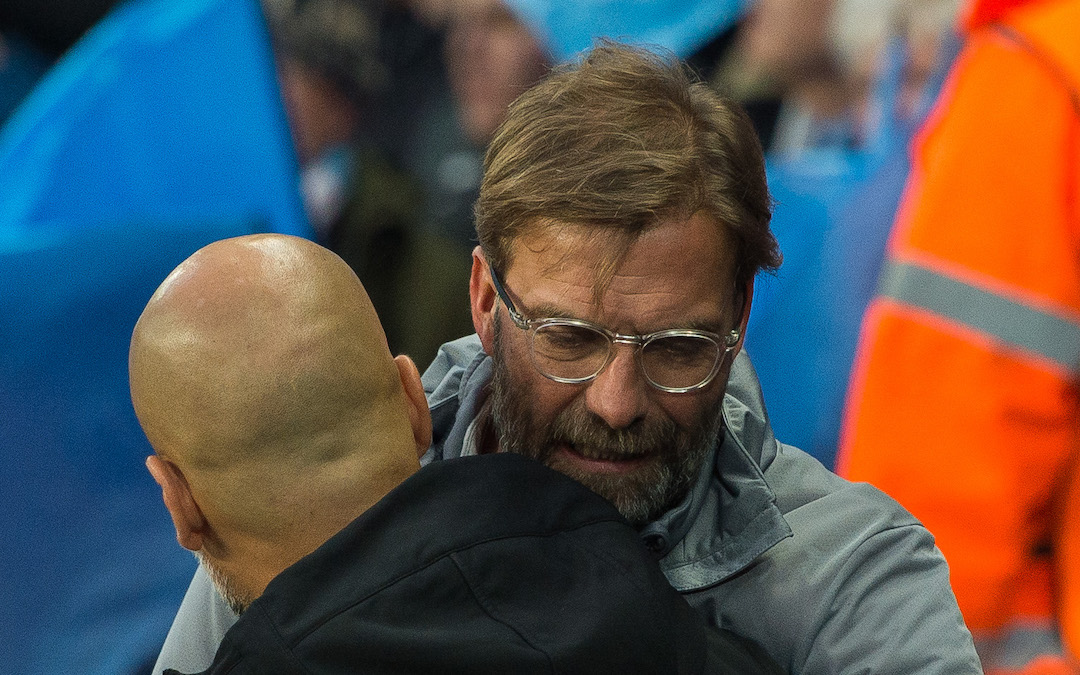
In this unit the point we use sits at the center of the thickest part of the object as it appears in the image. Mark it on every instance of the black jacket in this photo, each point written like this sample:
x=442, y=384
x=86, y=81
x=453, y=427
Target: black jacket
x=478, y=565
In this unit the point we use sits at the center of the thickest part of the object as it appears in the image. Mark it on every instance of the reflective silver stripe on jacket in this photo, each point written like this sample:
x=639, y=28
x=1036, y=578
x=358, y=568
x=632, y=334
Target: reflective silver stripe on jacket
x=1019, y=646
x=1016, y=324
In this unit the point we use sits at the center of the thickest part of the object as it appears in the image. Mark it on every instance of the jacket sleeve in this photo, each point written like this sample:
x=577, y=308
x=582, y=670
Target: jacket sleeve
x=892, y=612
x=858, y=588
x=197, y=630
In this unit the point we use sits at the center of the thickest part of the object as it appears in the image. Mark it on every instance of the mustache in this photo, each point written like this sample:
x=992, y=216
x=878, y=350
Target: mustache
x=590, y=436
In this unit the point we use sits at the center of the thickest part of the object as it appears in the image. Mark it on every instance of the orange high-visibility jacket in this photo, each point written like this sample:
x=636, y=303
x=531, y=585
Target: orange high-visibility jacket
x=963, y=403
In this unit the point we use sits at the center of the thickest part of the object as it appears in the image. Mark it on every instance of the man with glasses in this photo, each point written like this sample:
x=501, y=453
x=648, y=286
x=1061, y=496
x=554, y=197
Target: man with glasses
x=622, y=218
x=591, y=415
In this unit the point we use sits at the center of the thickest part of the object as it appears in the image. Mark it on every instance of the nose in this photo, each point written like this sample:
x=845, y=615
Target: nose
x=619, y=394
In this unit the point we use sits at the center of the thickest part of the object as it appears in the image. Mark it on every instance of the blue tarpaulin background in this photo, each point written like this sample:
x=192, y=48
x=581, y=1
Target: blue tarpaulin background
x=569, y=27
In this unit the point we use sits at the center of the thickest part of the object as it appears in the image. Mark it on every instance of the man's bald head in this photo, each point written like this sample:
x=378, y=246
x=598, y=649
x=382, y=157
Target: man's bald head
x=260, y=371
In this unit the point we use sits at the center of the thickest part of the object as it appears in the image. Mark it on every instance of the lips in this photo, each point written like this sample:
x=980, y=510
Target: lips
x=599, y=460
x=603, y=454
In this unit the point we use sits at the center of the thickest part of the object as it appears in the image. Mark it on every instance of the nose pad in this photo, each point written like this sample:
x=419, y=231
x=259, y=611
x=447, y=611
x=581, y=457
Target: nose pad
x=619, y=394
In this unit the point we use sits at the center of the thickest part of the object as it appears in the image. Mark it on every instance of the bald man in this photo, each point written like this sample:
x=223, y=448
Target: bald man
x=287, y=443
x=261, y=377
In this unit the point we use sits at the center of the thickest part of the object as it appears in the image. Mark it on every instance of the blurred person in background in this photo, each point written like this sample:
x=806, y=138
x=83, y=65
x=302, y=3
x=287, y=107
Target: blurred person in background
x=856, y=76
x=494, y=49
x=492, y=57
x=784, y=47
x=785, y=68
x=489, y=56
x=411, y=34
x=824, y=59
x=964, y=403
x=364, y=208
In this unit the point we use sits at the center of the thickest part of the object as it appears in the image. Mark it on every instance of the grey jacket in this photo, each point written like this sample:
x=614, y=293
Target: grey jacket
x=828, y=576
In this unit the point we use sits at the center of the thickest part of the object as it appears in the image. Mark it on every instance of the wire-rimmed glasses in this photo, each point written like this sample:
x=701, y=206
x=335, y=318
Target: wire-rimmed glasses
x=573, y=351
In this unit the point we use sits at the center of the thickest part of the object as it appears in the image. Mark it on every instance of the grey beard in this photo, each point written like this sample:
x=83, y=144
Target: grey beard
x=675, y=453
x=237, y=600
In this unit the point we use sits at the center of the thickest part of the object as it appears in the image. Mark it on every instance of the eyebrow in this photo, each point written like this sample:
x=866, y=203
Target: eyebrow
x=546, y=311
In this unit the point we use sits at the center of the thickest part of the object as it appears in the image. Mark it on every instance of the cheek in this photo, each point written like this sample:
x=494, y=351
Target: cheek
x=688, y=410
x=544, y=399
x=548, y=399
x=681, y=412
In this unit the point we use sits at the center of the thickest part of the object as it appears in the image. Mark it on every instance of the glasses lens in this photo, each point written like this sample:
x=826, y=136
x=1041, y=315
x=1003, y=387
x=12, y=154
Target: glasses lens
x=679, y=361
x=569, y=351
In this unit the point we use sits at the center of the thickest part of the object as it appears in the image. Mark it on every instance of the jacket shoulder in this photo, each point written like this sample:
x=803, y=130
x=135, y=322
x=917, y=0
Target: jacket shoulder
x=799, y=482
x=860, y=583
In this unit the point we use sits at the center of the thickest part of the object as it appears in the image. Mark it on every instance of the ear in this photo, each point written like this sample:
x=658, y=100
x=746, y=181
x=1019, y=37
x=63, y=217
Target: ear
x=482, y=296
x=744, y=317
x=186, y=515
x=419, y=415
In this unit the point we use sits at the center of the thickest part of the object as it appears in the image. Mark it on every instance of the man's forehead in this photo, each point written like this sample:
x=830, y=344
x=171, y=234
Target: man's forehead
x=551, y=246
x=675, y=266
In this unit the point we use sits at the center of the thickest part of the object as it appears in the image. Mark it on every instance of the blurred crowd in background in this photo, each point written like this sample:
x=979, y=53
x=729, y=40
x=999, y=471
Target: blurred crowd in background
x=387, y=107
